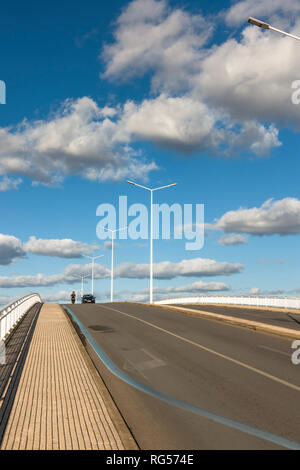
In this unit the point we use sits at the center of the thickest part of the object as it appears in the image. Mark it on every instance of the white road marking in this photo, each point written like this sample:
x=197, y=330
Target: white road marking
x=212, y=351
x=134, y=361
x=274, y=350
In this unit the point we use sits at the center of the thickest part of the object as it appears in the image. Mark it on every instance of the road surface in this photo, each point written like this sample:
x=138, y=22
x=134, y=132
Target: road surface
x=270, y=317
x=229, y=371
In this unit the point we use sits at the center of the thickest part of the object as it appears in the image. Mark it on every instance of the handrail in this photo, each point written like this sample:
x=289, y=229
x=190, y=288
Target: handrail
x=279, y=302
x=14, y=311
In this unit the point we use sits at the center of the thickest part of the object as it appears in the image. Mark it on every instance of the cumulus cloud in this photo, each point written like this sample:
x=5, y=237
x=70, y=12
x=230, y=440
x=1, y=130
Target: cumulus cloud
x=254, y=290
x=83, y=139
x=273, y=217
x=6, y=300
x=261, y=292
x=240, y=12
x=160, y=293
x=61, y=296
x=11, y=249
x=246, y=80
x=187, y=125
x=176, y=122
x=186, y=268
x=80, y=138
x=164, y=270
x=8, y=184
x=70, y=275
x=227, y=98
x=150, y=35
x=62, y=248
x=197, y=287
x=254, y=137
x=229, y=240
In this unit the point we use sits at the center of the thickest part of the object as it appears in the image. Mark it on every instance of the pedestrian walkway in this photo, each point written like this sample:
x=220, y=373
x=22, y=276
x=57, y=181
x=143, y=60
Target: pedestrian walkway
x=61, y=402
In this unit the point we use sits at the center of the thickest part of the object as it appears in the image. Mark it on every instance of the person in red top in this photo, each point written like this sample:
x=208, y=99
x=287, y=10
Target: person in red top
x=73, y=297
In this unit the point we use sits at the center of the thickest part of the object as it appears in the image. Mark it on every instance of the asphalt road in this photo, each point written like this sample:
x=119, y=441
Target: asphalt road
x=271, y=317
x=232, y=372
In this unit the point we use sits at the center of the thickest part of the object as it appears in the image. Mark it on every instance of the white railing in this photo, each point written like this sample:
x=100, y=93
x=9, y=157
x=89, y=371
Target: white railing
x=280, y=302
x=13, y=312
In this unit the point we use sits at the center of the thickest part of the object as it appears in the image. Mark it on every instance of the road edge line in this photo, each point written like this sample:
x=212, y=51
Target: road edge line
x=243, y=323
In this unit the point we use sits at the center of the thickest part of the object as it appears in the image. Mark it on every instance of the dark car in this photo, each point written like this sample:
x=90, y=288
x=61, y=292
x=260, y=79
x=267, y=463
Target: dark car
x=88, y=299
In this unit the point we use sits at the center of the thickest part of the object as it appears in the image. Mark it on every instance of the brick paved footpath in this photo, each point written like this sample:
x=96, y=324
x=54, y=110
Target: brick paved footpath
x=61, y=401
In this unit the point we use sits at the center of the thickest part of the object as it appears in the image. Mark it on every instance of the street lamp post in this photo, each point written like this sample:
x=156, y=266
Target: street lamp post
x=93, y=262
x=151, y=228
x=112, y=259
x=262, y=24
x=82, y=278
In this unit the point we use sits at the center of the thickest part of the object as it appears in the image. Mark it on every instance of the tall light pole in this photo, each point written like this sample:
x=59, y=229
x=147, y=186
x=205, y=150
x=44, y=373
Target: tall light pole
x=82, y=277
x=93, y=262
x=112, y=259
x=262, y=24
x=151, y=229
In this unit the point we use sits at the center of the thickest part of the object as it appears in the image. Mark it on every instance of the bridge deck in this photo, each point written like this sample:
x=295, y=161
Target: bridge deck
x=61, y=402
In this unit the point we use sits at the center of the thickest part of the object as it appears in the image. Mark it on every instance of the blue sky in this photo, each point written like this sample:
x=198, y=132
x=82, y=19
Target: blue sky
x=154, y=91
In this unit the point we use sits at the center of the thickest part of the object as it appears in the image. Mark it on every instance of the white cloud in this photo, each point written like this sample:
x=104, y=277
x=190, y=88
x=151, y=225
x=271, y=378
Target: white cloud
x=221, y=99
x=228, y=240
x=10, y=249
x=62, y=248
x=70, y=275
x=250, y=79
x=254, y=137
x=180, y=123
x=80, y=138
x=209, y=99
x=164, y=270
x=72, y=271
x=187, y=268
x=151, y=36
x=197, y=287
x=257, y=291
x=188, y=125
x=160, y=293
x=61, y=296
x=240, y=12
x=6, y=300
x=254, y=290
x=273, y=217
x=8, y=184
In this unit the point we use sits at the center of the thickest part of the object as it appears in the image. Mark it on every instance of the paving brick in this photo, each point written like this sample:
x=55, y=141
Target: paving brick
x=60, y=402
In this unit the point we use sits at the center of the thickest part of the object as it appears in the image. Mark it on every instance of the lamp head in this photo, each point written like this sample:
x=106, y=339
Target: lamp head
x=259, y=23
